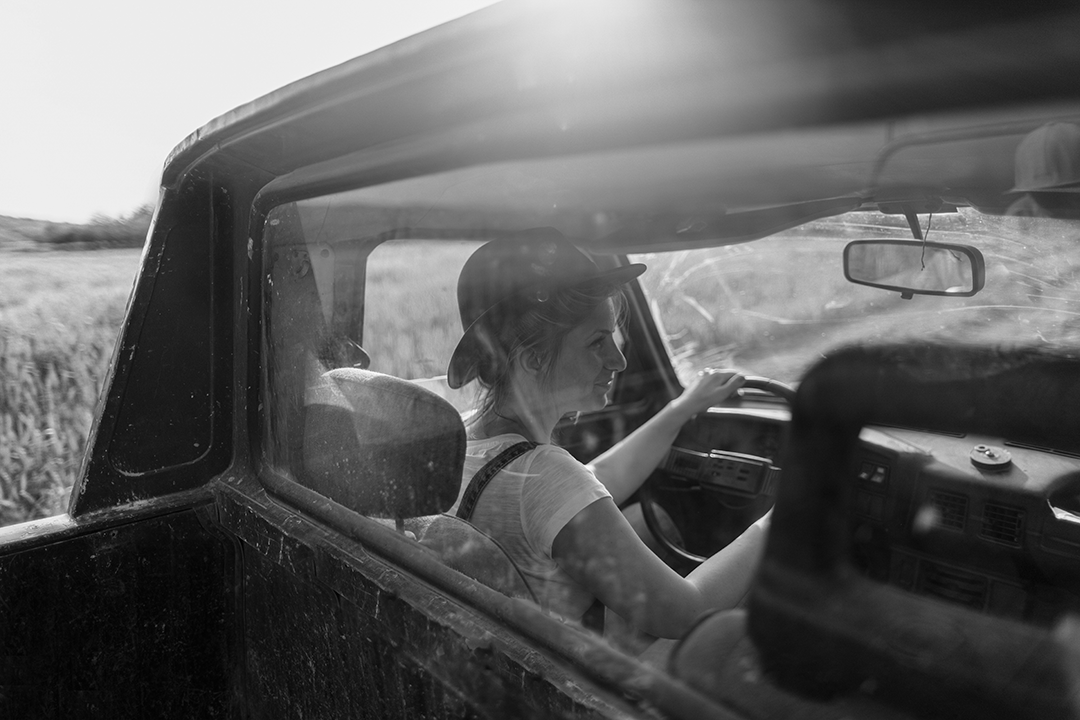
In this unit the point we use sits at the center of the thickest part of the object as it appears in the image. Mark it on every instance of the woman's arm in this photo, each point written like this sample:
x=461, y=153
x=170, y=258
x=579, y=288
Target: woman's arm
x=625, y=466
x=599, y=550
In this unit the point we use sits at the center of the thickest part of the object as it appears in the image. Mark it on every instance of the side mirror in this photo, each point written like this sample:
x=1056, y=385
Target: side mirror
x=915, y=267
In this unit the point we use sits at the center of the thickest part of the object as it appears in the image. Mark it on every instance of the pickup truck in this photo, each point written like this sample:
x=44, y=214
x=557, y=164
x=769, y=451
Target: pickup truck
x=870, y=208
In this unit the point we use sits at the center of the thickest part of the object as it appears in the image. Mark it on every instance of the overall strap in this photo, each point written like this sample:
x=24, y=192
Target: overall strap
x=481, y=479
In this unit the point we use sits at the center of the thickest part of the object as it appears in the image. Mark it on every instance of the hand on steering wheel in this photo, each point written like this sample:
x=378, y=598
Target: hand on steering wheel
x=709, y=388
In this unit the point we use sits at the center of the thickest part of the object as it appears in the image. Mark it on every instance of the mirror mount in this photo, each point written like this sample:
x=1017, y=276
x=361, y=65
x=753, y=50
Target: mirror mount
x=911, y=209
x=913, y=223
x=917, y=233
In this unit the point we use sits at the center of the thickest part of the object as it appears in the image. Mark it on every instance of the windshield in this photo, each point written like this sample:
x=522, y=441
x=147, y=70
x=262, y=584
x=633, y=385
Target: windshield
x=774, y=306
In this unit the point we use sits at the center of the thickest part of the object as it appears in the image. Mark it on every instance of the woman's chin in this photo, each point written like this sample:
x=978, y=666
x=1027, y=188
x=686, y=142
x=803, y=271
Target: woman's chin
x=596, y=400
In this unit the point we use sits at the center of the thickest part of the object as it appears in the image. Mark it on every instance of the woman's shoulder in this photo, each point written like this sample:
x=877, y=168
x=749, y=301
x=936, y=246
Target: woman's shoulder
x=491, y=446
x=541, y=459
x=556, y=486
x=548, y=461
x=554, y=453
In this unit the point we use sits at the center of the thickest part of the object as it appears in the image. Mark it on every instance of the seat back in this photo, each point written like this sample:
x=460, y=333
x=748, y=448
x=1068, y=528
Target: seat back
x=388, y=448
x=381, y=446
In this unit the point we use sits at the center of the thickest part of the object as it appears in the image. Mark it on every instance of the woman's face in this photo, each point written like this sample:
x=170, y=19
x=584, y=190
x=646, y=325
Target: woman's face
x=587, y=363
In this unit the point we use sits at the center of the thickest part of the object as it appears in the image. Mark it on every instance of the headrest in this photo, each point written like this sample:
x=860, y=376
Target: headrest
x=382, y=446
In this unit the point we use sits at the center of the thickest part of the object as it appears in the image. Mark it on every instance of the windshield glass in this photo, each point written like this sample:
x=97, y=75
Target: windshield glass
x=773, y=306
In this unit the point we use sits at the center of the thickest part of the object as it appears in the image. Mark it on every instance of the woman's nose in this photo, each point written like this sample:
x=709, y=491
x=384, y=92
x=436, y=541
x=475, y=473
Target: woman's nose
x=614, y=360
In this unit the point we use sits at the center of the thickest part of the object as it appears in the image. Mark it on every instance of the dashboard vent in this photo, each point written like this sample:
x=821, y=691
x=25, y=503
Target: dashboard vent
x=1002, y=524
x=954, y=585
x=951, y=509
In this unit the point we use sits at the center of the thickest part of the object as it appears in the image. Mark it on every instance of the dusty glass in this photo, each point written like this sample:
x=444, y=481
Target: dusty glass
x=774, y=306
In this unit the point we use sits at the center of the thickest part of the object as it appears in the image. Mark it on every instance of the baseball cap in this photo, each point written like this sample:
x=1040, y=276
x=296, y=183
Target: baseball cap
x=1048, y=160
x=504, y=277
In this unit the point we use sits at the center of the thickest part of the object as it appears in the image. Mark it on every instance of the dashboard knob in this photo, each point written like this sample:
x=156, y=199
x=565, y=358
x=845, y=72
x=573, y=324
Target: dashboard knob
x=989, y=457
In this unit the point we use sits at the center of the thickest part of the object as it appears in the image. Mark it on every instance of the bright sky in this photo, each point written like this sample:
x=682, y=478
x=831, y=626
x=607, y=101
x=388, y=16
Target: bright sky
x=94, y=95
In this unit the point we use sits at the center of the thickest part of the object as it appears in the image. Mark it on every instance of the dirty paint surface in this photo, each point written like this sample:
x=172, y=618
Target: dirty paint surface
x=125, y=621
x=330, y=631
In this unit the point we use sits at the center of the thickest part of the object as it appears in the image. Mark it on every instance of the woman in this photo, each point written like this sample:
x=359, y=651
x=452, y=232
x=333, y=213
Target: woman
x=541, y=323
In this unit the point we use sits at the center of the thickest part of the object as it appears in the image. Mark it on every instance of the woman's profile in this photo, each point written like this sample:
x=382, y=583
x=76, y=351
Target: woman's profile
x=542, y=340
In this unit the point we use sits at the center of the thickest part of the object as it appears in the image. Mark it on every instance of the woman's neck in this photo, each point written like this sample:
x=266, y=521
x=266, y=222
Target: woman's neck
x=503, y=420
x=526, y=409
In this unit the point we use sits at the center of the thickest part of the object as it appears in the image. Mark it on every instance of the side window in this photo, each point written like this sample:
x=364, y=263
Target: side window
x=360, y=317
x=332, y=301
x=411, y=319
x=353, y=329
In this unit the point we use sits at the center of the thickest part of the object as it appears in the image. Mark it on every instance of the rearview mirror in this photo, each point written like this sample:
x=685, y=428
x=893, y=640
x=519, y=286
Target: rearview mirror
x=915, y=267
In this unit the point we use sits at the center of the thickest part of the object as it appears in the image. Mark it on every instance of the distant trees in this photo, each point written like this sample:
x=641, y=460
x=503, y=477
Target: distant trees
x=101, y=232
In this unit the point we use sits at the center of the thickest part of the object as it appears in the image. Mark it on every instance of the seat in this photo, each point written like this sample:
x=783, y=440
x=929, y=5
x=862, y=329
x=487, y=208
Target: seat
x=392, y=450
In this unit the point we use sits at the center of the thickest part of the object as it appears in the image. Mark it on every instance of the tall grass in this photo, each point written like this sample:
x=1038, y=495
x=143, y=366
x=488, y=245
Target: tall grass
x=60, y=314
x=411, y=322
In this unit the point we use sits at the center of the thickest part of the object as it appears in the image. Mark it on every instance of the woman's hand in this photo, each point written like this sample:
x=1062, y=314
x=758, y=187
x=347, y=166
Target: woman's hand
x=711, y=387
x=624, y=467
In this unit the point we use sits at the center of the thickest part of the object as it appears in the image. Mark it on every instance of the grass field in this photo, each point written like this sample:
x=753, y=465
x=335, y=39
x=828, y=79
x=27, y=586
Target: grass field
x=411, y=320
x=60, y=313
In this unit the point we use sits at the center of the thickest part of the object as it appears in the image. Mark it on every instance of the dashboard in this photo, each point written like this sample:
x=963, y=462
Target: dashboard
x=973, y=520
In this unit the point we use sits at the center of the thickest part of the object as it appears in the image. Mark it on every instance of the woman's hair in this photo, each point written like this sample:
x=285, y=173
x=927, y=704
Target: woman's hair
x=536, y=324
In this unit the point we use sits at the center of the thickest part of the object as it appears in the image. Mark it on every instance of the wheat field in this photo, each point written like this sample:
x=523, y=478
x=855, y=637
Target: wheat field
x=60, y=314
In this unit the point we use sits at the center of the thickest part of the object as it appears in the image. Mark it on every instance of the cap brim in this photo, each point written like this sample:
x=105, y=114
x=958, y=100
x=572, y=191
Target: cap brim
x=461, y=369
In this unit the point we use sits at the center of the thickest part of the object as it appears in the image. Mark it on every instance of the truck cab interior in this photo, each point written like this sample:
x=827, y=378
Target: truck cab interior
x=839, y=200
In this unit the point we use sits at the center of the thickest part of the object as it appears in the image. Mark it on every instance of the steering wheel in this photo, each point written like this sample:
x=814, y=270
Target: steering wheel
x=648, y=500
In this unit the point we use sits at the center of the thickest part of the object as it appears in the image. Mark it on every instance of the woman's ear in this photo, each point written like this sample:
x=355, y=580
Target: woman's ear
x=530, y=362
